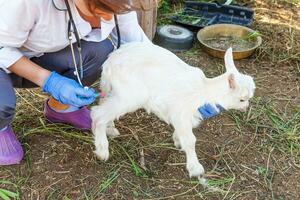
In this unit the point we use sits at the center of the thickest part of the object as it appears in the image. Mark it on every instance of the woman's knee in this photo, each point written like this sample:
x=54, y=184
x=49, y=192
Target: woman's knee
x=7, y=100
x=95, y=56
x=7, y=113
x=97, y=52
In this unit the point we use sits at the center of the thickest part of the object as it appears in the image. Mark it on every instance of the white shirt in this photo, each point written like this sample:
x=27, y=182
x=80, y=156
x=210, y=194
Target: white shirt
x=33, y=27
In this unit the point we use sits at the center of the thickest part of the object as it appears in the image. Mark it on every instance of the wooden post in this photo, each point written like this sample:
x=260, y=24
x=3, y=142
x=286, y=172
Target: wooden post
x=147, y=20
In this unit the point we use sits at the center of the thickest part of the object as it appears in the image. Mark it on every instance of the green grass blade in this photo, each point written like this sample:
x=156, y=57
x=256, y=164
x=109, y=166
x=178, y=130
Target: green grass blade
x=9, y=193
x=109, y=181
x=228, y=2
x=136, y=169
x=3, y=195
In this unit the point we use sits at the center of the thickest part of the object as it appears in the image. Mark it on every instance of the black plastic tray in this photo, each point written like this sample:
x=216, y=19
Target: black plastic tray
x=201, y=14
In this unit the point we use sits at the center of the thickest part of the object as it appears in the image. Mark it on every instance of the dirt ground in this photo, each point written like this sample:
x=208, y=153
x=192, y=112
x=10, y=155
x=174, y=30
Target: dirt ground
x=252, y=155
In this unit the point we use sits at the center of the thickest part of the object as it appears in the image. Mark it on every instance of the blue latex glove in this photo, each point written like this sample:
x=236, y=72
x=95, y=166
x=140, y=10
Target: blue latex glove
x=68, y=91
x=207, y=110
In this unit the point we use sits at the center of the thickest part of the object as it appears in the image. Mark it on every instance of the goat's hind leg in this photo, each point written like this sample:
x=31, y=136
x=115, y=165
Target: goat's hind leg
x=102, y=117
x=112, y=131
x=99, y=124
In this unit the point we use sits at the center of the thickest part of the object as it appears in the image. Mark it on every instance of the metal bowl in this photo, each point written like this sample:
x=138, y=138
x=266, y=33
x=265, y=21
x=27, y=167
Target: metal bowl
x=226, y=30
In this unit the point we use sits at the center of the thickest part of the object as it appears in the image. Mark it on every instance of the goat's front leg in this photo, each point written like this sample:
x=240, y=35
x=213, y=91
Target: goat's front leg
x=187, y=141
x=176, y=140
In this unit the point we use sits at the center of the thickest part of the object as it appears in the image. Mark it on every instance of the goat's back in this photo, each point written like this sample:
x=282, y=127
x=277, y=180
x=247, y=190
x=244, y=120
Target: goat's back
x=147, y=65
x=140, y=56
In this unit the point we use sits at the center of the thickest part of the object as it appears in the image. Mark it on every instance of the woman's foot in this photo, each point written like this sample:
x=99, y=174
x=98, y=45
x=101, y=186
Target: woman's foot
x=11, y=151
x=80, y=118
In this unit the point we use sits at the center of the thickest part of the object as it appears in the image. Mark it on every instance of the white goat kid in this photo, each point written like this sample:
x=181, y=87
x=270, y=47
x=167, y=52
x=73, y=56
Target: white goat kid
x=142, y=75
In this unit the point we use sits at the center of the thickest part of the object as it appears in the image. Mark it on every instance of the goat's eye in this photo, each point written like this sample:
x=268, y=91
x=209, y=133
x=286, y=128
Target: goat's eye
x=242, y=100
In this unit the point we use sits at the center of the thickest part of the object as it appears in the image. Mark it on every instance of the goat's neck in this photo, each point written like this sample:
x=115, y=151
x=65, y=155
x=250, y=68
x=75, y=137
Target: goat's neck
x=217, y=89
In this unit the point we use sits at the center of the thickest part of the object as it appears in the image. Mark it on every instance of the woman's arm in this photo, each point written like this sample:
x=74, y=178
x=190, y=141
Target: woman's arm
x=63, y=89
x=30, y=71
x=17, y=18
x=130, y=29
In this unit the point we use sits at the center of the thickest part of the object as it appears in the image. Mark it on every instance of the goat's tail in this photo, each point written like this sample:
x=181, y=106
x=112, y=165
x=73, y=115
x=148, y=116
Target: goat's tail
x=105, y=85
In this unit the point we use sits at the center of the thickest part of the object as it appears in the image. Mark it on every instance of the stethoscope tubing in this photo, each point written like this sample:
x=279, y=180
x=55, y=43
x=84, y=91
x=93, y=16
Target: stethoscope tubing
x=73, y=29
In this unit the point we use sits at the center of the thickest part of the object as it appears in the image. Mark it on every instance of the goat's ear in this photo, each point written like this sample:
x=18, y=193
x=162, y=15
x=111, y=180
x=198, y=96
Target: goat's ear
x=229, y=64
x=231, y=81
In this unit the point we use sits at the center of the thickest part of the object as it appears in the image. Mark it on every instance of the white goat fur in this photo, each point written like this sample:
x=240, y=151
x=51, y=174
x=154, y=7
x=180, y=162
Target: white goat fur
x=143, y=75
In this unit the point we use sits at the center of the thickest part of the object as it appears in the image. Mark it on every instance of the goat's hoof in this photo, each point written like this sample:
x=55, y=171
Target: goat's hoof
x=102, y=153
x=195, y=170
x=112, y=132
x=203, y=181
x=177, y=144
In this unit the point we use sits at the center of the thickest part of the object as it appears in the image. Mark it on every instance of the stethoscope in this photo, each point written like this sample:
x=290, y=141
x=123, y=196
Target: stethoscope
x=72, y=29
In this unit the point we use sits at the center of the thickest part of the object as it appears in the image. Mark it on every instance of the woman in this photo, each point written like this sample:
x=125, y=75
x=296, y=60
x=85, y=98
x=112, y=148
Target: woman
x=34, y=51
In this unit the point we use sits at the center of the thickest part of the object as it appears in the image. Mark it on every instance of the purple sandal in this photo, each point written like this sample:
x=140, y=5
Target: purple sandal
x=80, y=119
x=11, y=151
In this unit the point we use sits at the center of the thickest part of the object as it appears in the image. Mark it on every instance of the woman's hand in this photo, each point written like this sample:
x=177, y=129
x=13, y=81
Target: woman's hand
x=207, y=110
x=65, y=90
x=68, y=91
